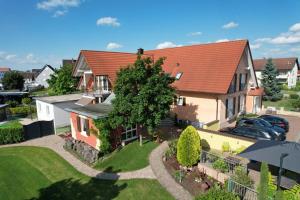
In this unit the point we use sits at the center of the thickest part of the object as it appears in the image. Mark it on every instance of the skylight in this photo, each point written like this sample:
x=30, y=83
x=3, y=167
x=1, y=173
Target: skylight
x=178, y=75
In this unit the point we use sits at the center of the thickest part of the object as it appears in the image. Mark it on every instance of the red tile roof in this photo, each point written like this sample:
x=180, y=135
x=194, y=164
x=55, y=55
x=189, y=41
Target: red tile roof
x=206, y=68
x=256, y=92
x=280, y=63
x=107, y=63
x=4, y=69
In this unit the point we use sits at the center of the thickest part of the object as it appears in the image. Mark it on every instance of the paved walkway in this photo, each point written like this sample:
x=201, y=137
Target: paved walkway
x=56, y=144
x=163, y=176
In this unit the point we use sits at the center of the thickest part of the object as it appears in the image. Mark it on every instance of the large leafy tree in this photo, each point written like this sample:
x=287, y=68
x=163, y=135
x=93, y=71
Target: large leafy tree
x=143, y=94
x=270, y=82
x=13, y=80
x=62, y=81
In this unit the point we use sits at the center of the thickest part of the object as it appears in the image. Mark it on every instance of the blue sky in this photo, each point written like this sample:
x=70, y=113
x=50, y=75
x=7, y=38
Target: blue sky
x=38, y=32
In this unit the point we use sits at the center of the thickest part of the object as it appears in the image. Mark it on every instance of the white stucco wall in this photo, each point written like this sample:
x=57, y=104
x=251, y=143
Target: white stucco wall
x=42, y=111
x=61, y=117
x=292, y=76
x=42, y=78
x=58, y=115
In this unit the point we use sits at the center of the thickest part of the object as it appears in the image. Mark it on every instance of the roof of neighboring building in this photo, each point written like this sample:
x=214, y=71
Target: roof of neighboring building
x=94, y=111
x=107, y=63
x=280, y=63
x=270, y=151
x=60, y=98
x=68, y=62
x=28, y=75
x=49, y=66
x=256, y=92
x=205, y=68
x=4, y=69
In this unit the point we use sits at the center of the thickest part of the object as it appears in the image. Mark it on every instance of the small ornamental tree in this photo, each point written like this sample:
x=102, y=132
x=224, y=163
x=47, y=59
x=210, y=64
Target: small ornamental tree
x=263, y=182
x=13, y=80
x=188, y=147
x=270, y=82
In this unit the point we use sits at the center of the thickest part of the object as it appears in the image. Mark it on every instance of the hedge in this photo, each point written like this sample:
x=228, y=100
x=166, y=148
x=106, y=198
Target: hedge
x=22, y=110
x=11, y=132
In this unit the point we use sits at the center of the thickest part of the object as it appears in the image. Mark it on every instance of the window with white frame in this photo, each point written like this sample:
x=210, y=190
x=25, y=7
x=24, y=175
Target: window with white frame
x=129, y=133
x=242, y=102
x=47, y=110
x=102, y=82
x=230, y=107
x=83, y=125
x=180, y=101
x=178, y=75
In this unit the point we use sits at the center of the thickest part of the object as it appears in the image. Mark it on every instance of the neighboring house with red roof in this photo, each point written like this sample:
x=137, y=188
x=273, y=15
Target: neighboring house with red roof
x=3, y=70
x=214, y=83
x=287, y=70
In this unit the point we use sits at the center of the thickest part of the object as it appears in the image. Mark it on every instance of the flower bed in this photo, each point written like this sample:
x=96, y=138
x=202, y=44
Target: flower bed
x=192, y=180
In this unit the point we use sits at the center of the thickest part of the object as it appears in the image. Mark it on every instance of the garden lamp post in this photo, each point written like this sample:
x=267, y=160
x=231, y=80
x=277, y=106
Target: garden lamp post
x=283, y=155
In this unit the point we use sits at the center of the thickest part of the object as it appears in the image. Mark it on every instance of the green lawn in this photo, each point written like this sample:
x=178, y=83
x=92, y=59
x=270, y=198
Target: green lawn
x=39, y=173
x=286, y=103
x=11, y=124
x=129, y=158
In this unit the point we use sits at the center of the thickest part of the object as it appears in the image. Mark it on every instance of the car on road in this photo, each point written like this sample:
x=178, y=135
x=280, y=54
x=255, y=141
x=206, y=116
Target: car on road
x=261, y=124
x=253, y=132
x=276, y=121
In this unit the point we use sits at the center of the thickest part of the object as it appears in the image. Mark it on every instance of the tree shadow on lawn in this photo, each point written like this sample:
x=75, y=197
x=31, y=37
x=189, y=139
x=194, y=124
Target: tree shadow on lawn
x=74, y=189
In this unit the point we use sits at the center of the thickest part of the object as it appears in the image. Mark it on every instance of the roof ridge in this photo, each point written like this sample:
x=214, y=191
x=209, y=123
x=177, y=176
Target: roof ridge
x=203, y=44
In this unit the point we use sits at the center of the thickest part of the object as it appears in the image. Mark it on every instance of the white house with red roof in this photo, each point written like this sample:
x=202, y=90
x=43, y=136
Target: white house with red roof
x=287, y=70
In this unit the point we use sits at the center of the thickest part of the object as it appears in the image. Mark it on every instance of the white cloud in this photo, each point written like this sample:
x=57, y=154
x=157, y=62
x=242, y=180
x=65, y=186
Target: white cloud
x=290, y=37
x=295, y=27
x=266, y=39
x=230, y=25
x=222, y=40
x=113, y=45
x=166, y=44
x=108, y=21
x=195, y=33
x=255, y=46
x=295, y=49
x=51, y=4
x=6, y=57
x=10, y=56
x=59, y=13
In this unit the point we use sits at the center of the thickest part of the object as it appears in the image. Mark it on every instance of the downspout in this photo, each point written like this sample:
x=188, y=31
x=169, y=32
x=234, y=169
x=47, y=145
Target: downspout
x=217, y=110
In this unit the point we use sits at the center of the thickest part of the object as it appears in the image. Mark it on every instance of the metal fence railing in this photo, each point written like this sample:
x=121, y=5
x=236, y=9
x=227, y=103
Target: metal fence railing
x=231, y=161
x=245, y=193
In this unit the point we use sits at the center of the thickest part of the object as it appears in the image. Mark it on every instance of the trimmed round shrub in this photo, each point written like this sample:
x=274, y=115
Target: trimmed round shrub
x=188, y=147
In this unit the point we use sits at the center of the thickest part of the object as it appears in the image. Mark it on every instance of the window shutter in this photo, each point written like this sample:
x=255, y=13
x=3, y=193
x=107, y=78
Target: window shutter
x=235, y=80
x=226, y=113
x=87, y=127
x=240, y=84
x=239, y=104
x=183, y=103
x=246, y=79
x=78, y=124
x=234, y=102
x=175, y=100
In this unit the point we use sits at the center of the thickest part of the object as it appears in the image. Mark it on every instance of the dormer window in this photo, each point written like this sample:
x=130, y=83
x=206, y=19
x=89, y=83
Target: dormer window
x=178, y=75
